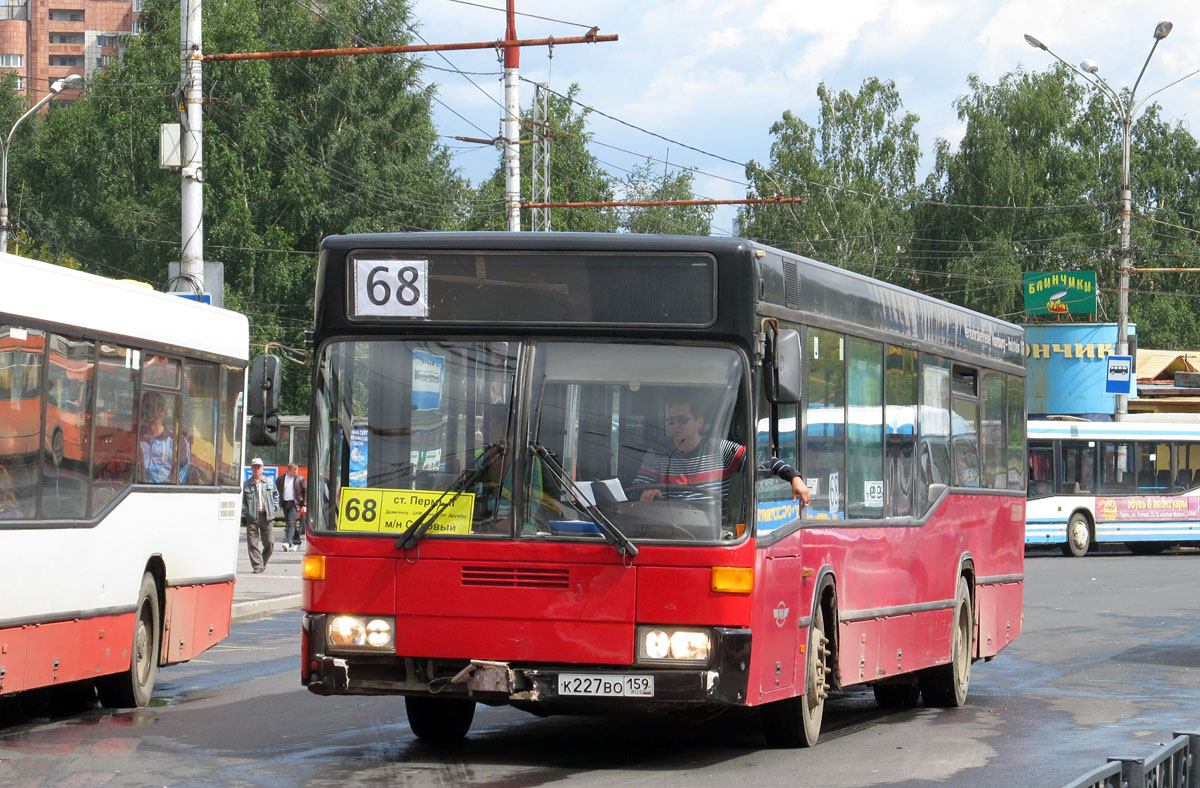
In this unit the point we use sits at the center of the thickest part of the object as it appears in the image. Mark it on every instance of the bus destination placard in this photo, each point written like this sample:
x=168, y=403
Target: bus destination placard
x=376, y=510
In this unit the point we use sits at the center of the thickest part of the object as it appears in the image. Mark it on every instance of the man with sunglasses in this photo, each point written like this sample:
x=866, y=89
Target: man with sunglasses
x=705, y=471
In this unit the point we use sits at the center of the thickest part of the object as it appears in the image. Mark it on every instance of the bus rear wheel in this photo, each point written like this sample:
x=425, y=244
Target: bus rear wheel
x=946, y=685
x=796, y=722
x=442, y=720
x=134, y=686
x=1079, y=536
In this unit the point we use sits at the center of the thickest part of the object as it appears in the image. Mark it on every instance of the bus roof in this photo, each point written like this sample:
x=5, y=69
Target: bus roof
x=1114, y=431
x=51, y=294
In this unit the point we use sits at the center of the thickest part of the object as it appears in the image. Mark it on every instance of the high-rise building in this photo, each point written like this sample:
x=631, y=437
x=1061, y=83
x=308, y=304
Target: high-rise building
x=44, y=40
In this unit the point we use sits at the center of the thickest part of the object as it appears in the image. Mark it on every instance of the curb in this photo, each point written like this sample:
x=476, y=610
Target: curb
x=256, y=608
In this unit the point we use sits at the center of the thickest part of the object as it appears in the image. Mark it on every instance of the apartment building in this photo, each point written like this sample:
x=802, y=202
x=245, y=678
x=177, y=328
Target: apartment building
x=43, y=40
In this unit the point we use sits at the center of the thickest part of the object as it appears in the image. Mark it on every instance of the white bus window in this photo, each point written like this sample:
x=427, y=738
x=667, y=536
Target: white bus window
x=21, y=359
x=1041, y=468
x=157, y=439
x=114, y=450
x=1078, y=466
x=67, y=437
x=1116, y=467
x=198, y=424
x=230, y=458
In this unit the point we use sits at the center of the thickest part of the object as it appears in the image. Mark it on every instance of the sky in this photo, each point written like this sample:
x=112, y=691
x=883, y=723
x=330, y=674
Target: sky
x=715, y=74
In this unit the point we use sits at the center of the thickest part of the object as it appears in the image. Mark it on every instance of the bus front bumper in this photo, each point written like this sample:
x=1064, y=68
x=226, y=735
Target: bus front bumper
x=722, y=682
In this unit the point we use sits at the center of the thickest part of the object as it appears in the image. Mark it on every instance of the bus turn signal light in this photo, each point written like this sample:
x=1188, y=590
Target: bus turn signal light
x=312, y=567
x=732, y=579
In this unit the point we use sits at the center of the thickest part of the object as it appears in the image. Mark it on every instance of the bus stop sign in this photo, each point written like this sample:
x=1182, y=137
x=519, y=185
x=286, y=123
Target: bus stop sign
x=1120, y=374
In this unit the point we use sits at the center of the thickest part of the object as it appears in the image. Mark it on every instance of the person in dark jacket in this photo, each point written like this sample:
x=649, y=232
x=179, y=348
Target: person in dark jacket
x=260, y=501
x=293, y=495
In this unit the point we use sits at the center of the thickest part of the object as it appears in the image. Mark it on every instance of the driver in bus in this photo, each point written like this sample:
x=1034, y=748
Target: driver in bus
x=704, y=470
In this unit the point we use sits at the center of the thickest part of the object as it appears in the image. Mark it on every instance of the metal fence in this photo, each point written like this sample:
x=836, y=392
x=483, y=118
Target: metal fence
x=1174, y=765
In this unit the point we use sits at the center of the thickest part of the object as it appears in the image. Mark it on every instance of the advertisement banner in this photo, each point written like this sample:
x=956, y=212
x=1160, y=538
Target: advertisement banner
x=1067, y=367
x=1060, y=293
x=1146, y=508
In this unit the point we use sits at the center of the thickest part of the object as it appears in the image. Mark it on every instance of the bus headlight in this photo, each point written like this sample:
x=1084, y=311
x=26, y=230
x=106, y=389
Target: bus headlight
x=670, y=646
x=360, y=633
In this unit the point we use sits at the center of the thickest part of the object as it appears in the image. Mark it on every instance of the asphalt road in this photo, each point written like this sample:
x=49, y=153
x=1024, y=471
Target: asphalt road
x=1109, y=664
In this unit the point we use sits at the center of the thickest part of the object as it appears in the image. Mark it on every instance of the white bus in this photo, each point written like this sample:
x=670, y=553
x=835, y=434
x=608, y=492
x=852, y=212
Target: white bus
x=1136, y=482
x=120, y=479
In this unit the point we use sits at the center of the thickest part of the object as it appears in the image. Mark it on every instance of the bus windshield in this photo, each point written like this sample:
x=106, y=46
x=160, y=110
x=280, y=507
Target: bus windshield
x=648, y=437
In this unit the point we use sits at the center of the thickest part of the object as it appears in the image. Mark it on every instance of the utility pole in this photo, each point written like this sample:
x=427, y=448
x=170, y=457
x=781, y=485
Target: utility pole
x=191, y=148
x=512, y=126
x=539, y=218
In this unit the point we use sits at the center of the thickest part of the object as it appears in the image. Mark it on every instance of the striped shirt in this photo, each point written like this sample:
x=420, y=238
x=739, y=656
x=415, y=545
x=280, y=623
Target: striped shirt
x=709, y=471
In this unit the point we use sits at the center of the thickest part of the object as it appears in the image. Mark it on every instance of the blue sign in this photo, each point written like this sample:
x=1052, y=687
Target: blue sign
x=358, y=457
x=428, y=372
x=204, y=298
x=1120, y=374
x=1067, y=368
x=269, y=472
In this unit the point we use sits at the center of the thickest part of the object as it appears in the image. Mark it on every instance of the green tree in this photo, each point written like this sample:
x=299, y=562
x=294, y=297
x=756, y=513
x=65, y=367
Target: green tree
x=855, y=171
x=575, y=175
x=643, y=184
x=294, y=150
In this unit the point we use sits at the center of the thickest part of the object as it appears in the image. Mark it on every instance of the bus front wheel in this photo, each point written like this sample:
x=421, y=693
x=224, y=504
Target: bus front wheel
x=441, y=720
x=133, y=687
x=1079, y=536
x=946, y=685
x=796, y=722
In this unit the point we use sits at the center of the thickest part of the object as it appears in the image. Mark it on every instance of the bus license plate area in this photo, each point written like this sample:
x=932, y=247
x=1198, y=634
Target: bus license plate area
x=606, y=685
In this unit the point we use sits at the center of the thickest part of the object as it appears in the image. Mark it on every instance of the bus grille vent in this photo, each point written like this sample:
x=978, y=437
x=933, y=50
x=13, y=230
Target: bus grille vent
x=228, y=510
x=791, y=284
x=515, y=577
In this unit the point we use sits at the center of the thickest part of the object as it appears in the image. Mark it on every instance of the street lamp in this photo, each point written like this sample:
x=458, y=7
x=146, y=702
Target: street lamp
x=1126, y=111
x=58, y=86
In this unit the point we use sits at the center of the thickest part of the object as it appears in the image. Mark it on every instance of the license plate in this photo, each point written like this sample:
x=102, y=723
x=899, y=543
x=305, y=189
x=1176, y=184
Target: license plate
x=606, y=685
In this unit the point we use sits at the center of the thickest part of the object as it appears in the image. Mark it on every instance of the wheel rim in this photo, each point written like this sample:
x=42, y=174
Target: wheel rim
x=1079, y=534
x=141, y=648
x=962, y=657
x=814, y=698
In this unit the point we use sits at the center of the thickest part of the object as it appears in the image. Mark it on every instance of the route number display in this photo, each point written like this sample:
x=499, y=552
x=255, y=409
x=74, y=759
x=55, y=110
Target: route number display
x=393, y=511
x=391, y=288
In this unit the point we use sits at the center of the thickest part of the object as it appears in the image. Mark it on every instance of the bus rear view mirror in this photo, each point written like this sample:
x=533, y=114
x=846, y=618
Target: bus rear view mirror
x=262, y=395
x=263, y=431
x=788, y=363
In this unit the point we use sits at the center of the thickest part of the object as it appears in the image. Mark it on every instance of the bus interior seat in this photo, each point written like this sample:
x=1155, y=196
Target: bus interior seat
x=1183, y=478
x=1146, y=478
x=1196, y=478
x=1163, y=478
x=1071, y=488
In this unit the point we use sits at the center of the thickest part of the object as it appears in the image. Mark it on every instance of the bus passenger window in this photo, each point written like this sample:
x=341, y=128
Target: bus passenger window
x=67, y=436
x=156, y=440
x=114, y=451
x=21, y=360
x=198, y=425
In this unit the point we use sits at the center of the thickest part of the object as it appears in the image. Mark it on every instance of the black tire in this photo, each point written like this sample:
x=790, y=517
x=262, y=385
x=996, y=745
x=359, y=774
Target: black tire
x=898, y=695
x=1147, y=548
x=1079, y=536
x=440, y=720
x=946, y=685
x=133, y=687
x=796, y=722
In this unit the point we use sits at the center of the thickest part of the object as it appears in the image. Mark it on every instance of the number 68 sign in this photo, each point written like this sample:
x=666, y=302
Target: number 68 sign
x=391, y=288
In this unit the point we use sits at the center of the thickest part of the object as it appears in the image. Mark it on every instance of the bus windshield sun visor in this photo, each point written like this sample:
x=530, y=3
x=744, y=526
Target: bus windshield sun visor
x=468, y=477
x=611, y=533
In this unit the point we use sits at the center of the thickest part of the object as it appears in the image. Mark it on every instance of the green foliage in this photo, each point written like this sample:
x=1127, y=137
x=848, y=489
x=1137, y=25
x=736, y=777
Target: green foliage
x=643, y=184
x=855, y=172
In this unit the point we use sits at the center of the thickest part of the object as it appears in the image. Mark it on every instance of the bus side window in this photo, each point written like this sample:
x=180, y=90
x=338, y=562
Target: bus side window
x=21, y=367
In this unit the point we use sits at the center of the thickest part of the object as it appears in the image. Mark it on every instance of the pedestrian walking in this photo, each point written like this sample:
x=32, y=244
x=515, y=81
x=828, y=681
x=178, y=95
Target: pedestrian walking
x=293, y=493
x=260, y=501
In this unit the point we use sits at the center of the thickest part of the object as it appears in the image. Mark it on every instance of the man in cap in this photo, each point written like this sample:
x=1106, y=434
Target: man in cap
x=260, y=500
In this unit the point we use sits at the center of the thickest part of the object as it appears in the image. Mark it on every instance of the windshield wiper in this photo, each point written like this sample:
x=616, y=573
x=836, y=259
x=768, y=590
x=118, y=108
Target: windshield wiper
x=610, y=532
x=469, y=476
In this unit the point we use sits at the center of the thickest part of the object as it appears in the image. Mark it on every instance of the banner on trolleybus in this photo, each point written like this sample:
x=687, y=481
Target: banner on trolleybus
x=1141, y=508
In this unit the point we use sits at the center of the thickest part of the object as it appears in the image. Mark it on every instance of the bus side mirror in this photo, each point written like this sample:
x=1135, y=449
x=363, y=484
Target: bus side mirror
x=263, y=431
x=787, y=367
x=262, y=396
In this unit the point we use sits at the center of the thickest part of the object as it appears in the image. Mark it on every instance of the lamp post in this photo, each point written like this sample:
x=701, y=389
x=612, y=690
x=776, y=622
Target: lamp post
x=1126, y=111
x=58, y=86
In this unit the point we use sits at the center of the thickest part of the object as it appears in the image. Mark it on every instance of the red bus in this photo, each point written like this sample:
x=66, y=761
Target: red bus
x=502, y=509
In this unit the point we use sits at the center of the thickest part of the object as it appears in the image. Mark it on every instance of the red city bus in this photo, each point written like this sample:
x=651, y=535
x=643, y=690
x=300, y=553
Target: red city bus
x=535, y=480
